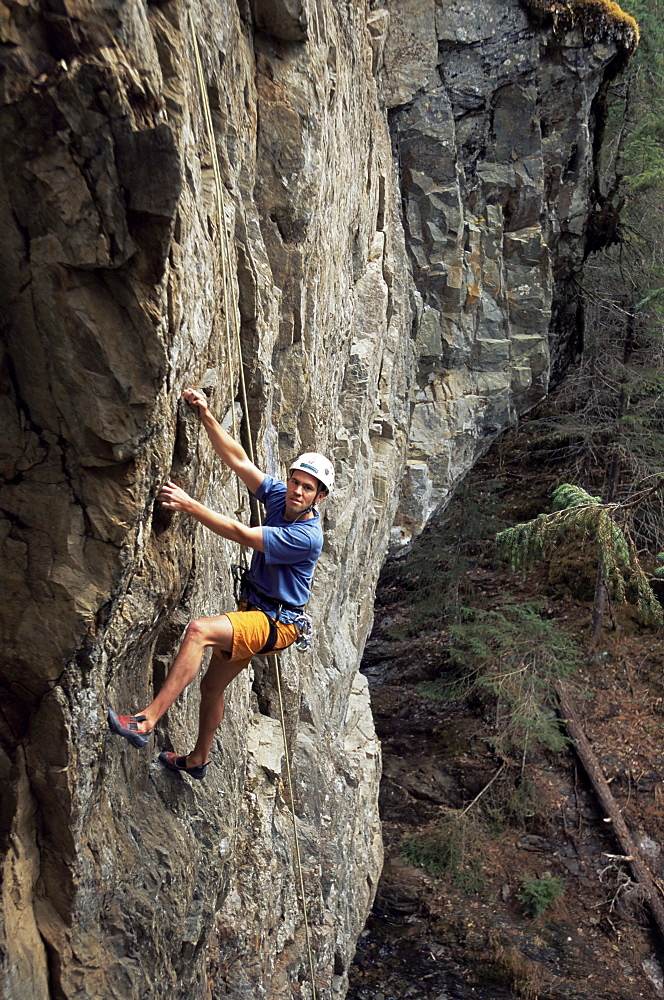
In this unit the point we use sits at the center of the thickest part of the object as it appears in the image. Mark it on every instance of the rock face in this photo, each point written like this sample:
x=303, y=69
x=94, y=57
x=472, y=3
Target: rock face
x=494, y=127
x=404, y=196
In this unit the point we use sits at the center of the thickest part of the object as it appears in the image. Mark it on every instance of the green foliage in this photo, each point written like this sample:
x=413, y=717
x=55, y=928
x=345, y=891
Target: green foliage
x=584, y=520
x=567, y=495
x=510, y=656
x=428, y=851
x=641, y=155
x=452, y=849
x=513, y=803
x=538, y=894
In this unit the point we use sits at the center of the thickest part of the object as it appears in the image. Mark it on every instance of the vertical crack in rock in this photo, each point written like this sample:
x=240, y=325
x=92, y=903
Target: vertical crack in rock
x=407, y=191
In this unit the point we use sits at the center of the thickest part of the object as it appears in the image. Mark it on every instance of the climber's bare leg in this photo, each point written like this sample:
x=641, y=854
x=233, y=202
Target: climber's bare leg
x=201, y=633
x=213, y=686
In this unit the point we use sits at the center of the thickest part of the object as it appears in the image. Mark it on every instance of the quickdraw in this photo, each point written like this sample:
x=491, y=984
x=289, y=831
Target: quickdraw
x=305, y=628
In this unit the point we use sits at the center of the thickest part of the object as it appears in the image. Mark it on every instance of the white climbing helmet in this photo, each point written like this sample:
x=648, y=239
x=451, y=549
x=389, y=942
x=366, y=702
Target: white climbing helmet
x=316, y=465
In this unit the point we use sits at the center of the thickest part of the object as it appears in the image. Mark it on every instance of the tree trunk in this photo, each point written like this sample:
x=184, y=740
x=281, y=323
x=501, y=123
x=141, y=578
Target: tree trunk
x=594, y=771
x=613, y=480
x=599, y=603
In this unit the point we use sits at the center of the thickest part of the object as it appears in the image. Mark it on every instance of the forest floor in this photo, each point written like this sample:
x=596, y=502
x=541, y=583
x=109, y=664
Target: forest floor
x=459, y=927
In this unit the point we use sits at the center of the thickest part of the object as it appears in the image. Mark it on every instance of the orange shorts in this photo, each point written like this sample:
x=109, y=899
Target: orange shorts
x=251, y=630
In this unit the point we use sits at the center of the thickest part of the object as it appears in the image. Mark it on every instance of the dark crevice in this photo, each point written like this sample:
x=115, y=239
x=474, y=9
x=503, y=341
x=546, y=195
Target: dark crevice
x=53, y=970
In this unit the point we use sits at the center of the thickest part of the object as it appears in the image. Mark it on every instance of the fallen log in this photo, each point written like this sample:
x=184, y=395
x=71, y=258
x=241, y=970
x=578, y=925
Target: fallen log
x=593, y=769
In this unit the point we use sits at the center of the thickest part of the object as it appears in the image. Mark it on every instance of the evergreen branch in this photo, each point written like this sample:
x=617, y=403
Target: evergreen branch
x=579, y=516
x=654, y=293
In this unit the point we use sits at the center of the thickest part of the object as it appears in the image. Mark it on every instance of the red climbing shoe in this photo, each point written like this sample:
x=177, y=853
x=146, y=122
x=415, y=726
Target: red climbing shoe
x=175, y=763
x=127, y=726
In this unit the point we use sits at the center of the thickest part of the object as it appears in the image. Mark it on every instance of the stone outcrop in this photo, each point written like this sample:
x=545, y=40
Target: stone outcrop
x=494, y=128
x=405, y=195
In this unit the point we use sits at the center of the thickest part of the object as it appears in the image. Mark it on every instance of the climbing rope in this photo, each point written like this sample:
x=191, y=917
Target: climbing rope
x=295, y=834
x=225, y=249
x=226, y=269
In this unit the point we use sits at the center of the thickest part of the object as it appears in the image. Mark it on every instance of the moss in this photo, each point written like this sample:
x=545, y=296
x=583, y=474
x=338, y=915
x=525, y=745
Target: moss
x=597, y=19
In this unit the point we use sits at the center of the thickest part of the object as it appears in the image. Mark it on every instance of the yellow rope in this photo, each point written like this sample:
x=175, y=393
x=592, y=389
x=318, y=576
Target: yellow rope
x=226, y=268
x=295, y=835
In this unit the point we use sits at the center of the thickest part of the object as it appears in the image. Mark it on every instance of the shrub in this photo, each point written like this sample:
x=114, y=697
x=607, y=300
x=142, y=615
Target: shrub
x=452, y=848
x=511, y=655
x=538, y=894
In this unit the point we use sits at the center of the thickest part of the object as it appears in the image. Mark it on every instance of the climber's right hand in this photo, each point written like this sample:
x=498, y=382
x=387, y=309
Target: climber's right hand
x=196, y=398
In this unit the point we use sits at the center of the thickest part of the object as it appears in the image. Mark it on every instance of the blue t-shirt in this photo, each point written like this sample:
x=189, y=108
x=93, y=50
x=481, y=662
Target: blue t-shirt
x=285, y=569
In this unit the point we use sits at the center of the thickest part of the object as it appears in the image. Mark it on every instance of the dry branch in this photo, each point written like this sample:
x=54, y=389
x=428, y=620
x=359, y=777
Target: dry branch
x=594, y=771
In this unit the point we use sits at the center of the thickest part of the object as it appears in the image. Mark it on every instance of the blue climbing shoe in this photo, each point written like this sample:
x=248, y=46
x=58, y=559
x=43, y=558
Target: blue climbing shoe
x=175, y=763
x=127, y=726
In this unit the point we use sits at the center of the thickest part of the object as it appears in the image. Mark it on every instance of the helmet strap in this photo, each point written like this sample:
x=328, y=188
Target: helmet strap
x=303, y=512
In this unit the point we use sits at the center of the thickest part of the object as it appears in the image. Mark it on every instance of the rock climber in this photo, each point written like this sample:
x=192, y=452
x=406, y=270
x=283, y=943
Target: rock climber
x=273, y=592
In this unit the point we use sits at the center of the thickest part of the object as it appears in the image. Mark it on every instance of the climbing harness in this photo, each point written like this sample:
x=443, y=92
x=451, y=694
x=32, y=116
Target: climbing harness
x=306, y=632
x=244, y=589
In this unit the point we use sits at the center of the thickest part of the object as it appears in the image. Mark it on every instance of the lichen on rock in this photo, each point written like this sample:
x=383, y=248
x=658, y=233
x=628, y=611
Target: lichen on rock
x=597, y=19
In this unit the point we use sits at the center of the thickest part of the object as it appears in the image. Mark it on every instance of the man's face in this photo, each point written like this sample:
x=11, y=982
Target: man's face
x=301, y=490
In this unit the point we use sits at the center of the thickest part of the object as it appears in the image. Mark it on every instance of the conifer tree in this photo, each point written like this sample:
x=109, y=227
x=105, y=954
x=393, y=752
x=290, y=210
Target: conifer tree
x=589, y=522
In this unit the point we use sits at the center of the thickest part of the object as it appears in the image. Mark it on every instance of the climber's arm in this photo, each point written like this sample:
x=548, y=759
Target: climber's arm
x=173, y=497
x=229, y=450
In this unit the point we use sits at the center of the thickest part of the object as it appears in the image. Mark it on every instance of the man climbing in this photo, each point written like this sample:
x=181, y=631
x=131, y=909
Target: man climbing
x=273, y=592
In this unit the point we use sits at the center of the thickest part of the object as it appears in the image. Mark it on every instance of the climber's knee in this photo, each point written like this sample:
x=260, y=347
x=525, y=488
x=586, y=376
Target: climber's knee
x=217, y=632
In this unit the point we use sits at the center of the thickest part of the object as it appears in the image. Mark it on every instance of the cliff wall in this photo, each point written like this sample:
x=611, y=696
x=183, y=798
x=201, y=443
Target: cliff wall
x=405, y=196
